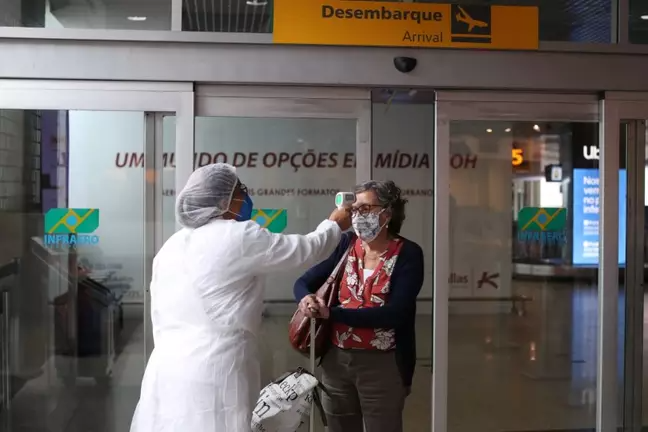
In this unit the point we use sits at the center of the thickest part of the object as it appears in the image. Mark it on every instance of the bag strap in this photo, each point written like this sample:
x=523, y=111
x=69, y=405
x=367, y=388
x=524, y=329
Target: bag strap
x=313, y=337
x=333, y=277
x=317, y=402
x=317, y=399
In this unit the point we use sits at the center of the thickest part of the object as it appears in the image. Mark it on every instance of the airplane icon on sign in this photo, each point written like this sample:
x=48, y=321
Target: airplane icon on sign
x=463, y=17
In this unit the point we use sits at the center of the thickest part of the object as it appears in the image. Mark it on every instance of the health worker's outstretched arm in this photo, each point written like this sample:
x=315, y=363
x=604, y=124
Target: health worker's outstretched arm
x=281, y=252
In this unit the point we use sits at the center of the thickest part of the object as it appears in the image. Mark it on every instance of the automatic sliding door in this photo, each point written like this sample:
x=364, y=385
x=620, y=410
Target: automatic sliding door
x=516, y=262
x=75, y=301
x=294, y=152
x=74, y=248
x=631, y=323
x=628, y=112
x=638, y=137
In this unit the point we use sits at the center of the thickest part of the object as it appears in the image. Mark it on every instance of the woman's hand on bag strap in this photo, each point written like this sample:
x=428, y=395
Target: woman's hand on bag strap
x=309, y=306
x=323, y=310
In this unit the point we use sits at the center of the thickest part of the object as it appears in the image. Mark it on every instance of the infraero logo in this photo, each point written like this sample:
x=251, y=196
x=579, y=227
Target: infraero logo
x=274, y=220
x=71, y=227
x=542, y=224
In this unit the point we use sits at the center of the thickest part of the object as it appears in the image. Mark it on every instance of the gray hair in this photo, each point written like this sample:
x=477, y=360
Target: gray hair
x=389, y=196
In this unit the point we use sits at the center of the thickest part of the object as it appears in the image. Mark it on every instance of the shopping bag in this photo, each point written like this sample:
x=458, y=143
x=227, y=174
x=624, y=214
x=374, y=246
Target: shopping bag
x=285, y=404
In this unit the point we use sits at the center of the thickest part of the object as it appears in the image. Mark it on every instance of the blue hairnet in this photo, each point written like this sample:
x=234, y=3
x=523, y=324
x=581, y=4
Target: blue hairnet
x=207, y=195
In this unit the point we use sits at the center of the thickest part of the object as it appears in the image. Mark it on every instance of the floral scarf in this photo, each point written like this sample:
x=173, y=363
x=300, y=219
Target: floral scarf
x=357, y=293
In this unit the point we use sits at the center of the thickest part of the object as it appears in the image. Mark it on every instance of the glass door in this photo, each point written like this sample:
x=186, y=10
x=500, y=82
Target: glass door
x=625, y=115
x=294, y=149
x=523, y=210
x=78, y=169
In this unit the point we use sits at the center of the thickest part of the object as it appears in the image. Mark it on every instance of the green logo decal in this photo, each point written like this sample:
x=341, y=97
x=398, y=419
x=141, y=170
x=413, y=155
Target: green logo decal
x=275, y=220
x=543, y=224
x=71, y=221
x=71, y=227
x=542, y=219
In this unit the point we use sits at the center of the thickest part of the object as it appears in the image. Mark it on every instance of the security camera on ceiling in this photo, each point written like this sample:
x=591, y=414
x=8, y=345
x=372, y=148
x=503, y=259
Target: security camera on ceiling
x=405, y=64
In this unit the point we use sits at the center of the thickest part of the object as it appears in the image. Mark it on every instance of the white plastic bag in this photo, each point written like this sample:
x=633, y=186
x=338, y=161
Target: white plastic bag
x=284, y=405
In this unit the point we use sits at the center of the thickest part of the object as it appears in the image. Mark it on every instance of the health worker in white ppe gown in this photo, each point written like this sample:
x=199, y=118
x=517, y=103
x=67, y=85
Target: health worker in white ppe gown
x=206, y=305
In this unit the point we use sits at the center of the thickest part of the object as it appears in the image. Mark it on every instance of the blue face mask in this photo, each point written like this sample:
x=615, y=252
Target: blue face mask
x=245, y=213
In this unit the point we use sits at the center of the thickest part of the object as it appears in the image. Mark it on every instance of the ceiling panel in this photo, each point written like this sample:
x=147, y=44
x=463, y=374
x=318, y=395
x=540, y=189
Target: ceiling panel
x=231, y=16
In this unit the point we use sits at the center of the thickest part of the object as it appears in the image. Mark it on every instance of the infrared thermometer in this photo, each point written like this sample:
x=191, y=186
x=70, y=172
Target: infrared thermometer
x=344, y=199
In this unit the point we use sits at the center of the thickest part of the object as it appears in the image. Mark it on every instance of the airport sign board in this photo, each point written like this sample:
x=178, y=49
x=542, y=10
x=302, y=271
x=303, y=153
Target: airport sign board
x=424, y=25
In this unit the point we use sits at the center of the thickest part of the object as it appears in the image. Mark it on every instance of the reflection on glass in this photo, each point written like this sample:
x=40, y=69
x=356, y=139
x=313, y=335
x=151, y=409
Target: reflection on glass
x=523, y=297
x=71, y=316
x=293, y=168
x=403, y=134
x=168, y=177
x=638, y=22
x=56, y=14
x=641, y=324
x=231, y=16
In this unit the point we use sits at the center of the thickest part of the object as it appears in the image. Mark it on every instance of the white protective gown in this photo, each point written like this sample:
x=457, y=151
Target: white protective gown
x=206, y=306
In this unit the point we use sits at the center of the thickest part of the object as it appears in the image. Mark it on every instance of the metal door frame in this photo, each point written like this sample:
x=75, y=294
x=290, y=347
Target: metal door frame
x=294, y=103
x=462, y=105
x=153, y=213
x=146, y=97
x=630, y=111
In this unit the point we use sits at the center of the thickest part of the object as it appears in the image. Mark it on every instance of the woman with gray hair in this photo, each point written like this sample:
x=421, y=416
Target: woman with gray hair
x=368, y=370
x=206, y=303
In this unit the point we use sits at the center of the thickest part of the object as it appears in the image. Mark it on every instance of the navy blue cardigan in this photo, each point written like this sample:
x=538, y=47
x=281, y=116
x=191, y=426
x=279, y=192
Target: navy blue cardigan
x=399, y=312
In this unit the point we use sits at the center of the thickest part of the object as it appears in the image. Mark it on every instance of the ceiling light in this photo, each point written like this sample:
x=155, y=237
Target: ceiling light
x=507, y=130
x=536, y=128
x=256, y=2
x=489, y=130
x=644, y=17
x=136, y=18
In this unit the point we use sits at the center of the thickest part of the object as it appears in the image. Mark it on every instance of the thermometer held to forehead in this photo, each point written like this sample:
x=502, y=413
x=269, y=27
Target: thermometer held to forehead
x=344, y=199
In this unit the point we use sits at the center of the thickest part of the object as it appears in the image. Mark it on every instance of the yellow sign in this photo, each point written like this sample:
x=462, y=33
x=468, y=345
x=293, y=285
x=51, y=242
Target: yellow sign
x=517, y=157
x=368, y=23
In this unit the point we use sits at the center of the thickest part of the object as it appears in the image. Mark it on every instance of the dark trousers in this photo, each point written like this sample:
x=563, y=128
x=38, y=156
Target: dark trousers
x=366, y=389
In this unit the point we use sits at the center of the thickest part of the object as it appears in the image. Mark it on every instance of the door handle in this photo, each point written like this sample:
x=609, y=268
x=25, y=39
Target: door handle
x=5, y=373
x=6, y=347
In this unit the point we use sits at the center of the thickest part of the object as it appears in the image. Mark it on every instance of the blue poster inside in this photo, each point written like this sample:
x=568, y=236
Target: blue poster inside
x=586, y=215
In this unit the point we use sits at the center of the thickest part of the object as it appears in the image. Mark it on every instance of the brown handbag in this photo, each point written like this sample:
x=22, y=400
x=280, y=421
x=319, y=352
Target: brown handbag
x=300, y=325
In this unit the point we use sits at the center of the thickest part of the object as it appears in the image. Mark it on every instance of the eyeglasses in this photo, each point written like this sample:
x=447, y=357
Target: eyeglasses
x=364, y=209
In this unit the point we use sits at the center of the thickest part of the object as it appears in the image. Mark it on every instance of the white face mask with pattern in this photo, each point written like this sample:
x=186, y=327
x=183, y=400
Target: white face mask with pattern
x=367, y=227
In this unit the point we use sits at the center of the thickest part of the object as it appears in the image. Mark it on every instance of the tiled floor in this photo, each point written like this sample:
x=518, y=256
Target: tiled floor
x=507, y=373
